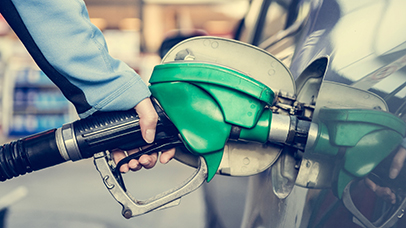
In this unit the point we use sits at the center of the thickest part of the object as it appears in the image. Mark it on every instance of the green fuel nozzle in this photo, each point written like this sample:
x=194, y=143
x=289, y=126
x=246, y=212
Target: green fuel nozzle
x=207, y=102
x=349, y=144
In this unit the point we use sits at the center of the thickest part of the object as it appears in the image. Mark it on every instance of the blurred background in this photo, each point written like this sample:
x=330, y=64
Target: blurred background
x=72, y=194
x=134, y=31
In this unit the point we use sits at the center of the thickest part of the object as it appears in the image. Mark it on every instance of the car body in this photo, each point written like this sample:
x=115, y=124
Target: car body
x=357, y=44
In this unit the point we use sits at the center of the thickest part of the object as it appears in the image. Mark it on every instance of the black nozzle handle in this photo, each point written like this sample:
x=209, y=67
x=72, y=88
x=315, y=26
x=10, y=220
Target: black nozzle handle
x=100, y=132
x=107, y=131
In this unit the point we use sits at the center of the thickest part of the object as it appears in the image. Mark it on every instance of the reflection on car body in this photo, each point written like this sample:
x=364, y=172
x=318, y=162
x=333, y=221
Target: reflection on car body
x=355, y=45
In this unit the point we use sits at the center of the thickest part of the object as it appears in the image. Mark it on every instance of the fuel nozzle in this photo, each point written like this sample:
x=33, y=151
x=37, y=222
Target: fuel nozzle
x=348, y=145
x=288, y=130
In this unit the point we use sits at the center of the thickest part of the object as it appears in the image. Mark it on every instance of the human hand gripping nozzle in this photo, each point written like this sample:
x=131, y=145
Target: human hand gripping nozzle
x=232, y=108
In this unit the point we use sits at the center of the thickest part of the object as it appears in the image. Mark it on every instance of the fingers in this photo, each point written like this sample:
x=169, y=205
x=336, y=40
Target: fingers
x=118, y=155
x=386, y=194
x=167, y=156
x=148, y=161
x=383, y=192
x=371, y=184
x=133, y=165
x=148, y=119
x=397, y=163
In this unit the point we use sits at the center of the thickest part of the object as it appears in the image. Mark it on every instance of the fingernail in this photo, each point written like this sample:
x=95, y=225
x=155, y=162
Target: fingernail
x=164, y=161
x=145, y=162
x=149, y=135
x=124, y=168
x=133, y=164
x=393, y=173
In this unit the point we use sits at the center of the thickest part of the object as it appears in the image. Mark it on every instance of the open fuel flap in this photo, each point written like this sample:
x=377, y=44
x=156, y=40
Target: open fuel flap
x=202, y=54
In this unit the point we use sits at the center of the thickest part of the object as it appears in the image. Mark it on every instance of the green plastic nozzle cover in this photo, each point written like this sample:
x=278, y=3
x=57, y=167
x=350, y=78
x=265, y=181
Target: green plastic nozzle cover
x=205, y=100
x=360, y=139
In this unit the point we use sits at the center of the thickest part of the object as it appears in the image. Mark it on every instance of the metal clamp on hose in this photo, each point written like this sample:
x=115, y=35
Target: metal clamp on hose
x=67, y=144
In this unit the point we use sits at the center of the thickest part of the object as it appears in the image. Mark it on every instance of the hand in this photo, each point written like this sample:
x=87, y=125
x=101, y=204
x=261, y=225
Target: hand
x=397, y=164
x=148, y=120
x=383, y=192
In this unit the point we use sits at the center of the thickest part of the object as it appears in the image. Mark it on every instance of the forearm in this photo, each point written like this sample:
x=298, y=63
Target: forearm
x=72, y=52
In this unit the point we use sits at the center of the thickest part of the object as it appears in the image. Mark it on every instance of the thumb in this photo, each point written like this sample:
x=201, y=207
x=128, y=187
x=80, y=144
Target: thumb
x=148, y=119
x=397, y=163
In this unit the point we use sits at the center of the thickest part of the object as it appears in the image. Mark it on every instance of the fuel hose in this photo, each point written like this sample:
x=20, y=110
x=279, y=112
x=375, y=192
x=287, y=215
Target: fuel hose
x=79, y=140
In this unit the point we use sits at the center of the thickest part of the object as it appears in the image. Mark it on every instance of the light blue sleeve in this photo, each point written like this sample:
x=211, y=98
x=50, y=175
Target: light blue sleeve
x=77, y=50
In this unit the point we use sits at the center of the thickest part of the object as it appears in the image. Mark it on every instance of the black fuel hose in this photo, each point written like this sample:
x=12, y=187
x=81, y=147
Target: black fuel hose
x=79, y=140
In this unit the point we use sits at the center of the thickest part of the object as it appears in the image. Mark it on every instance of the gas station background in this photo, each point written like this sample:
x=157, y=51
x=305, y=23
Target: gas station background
x=134, y=31
x=73, y=194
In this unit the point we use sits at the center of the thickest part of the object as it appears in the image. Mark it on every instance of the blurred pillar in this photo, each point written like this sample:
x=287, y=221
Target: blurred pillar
x=152, y=27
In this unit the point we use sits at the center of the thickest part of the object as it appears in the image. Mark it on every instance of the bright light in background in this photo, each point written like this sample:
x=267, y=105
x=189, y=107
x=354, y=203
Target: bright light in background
x=154, y=26
x=125, y=24
x=130, y=24
x=133, y=34
x=124, y=45
x=100, y=23
x=234, y=9
x=218, y=27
